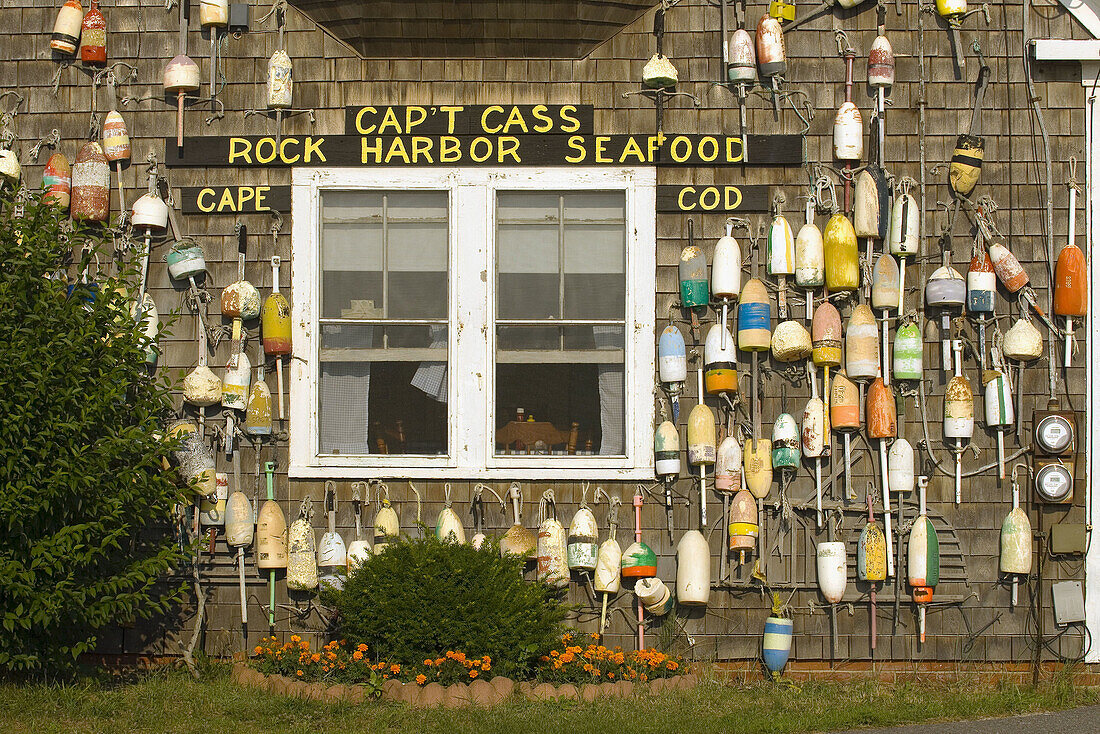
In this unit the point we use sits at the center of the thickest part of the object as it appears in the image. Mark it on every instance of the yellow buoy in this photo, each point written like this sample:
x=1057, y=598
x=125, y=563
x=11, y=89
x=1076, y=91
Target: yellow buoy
x=841, y=254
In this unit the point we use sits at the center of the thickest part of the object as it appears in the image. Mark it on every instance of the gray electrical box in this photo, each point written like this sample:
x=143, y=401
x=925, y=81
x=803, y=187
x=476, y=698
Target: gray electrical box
x=1069, y=602
x=238, y=17
x=1067, y=538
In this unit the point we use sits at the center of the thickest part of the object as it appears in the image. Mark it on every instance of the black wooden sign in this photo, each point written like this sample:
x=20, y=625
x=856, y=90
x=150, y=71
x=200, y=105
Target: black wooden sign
x=402, y=151
x=492, y=119
x=235, y=199
x=713, y=198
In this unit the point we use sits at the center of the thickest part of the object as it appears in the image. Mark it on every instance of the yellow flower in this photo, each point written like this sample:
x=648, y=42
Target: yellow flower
x=485, y=666
x=258, y=650
x=295, y=638
x=300, y=674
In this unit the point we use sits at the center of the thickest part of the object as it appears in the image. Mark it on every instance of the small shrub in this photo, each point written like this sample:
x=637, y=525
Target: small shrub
x=420, y=599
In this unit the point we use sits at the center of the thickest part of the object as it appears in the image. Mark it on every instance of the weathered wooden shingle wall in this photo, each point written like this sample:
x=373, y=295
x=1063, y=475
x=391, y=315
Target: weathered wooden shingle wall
x=979, y=624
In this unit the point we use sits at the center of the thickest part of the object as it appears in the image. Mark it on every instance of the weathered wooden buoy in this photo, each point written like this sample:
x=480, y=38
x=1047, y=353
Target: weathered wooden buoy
x=701, y=435
x=844, y=404
x=639, y=561
x=908, y=353
x=758, y=466
x=214, y=13
x=301, y=568
x=791, y=342
x=280, y=81
x=93, y=37
x=826, y=336
x=861, y=345
x=882, y=416
x=116, y=140
x=66, y=29
x=904, y=226
x=181, y=76
x=871, y=553
x=743, y=524
x=518, y=540
x=448, y=525
x=720, y=359
x=923, y=561
x=257, y=416
x=848, y=133
x=778, y=634
x=271, y=537
x=552, y=566
x=901, y=462
x=886, y=283
x=91, y=192
x=239, y=523
x=814, y=428
x=841, y=254
x=809, y=257
x=754, y=317
x=581, y=548
x=742, y=58
x=771, y=51
x=1016, y=542
x=727, y=466
x=958, y=409
x=786, y=443
x=1008, y=269
x=832, y=570
x=966, y=163
x=1023, y=342
x=659, y=73
x=693, y=569
x=58, y=180
x=981, y=284
x=1071, y=283
x=725, y=274
x=666, y=450
x=880, y=63
x=654, y=595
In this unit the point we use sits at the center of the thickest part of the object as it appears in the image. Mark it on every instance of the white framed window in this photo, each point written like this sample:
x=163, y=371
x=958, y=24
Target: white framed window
x=473, y=323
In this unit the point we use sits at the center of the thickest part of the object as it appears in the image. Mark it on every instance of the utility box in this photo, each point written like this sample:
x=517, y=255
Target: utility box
x=1069, y=602
x=1067, y=539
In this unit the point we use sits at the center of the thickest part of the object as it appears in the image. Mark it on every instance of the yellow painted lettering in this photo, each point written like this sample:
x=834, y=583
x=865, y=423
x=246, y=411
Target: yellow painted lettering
x=680, y=142
x=576, y=142
x=359, y=120
x=374, y=149
x=730, y=143
x=654, y=145
x=240, y=148
x=261, y=198
x=389, y=119
x=313, y=149
x=632, y=149
x=515, y=119
x=202, y=202
x=709, y=199
x=414, y=116
x=261, y=155
x=422, y=147
x=450, y=149
x=681, y=201
x=451, y=111
x=708, y=142
x=245, y=194
x=397, y=150
x=736, y=200
x=283, y=153
x=601, y=149
x=485, y=143
x=572, y=124
x=508, y=146
x=545, y=122
x=485, y=118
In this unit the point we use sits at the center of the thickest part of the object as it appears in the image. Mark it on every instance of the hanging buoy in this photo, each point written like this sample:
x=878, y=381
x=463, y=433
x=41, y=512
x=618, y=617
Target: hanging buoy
x=238, y=534
x=958, y=409
x=448, y=525
x=1016, y=542
x=240, y=300
x=880, y=63
x=872, y=555
x=743, y=524
x=1071, y=287
x=757, y=455
x=518, y=540
x=844, y=417
x=257, y=416
x=866, y=214
x=10, y=169
x=742, y=58
x=908, y=353
x=946, y=291
x=886, y=283
x=654, y=595
x=841, y=254
x=93, y=37
x=193, y=456
x=826, y=336
x=58, y=181
x=786, y=443
x=727, y=466
x=950, y=8
x=581, y=544
x=212, y=506
x=693, y=569
x=809, y=257
x=1023, y=342
x=861, y=345
x=999, y=413
x=358, y=550
x=271, y=537
x=214, y=13
x=882, y=418
x=966, y=163
x=720, y=361
x=771, y=51
x=701, y=435
x=901, y=462
x=185, y=261
x=609, y=566
x=332, y=553
x=791, y=342
x=923, y=561
x=781, y=257
x=778, y=634
x=725, y=276
x=116, y=140
x=832, y=570
x=694, y=288
x=387, y=526
x=91, y=192
x=754, y=317
x=672, y=366
x=235, y=384
x=815, y=430
x=848, y=133
x=639, y=561
x=181, y=77
x=66, y=29
x=301, y=568
x=666, y=450
x=201, y=387
x=280, y=81
x=659, y=73
x=904, y=226
x=1009, y=271
x=981, y=284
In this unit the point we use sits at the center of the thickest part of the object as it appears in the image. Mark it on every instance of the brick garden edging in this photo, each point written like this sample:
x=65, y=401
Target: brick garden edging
x=478, y=693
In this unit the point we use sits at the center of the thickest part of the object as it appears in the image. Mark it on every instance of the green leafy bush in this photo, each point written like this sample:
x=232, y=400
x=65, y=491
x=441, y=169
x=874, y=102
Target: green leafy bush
x=420, y=599
x=83, y=499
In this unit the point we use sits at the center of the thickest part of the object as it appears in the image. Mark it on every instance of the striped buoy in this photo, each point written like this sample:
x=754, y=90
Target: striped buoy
x=778, y=634
x=91, y=192
x=58, y=180
x=754, y=318
x=66, y=29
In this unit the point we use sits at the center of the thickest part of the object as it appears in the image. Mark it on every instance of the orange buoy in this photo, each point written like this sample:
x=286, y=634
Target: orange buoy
x=744, y=528
x=1071, y=290
x=844, y=417
x=58, y=180
x=93, y=37
x=826, y=335
x=882, y=415
x=1009, y=270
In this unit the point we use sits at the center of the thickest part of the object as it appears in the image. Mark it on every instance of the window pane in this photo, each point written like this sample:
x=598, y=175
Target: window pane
x=384, y=256
x=561, y=257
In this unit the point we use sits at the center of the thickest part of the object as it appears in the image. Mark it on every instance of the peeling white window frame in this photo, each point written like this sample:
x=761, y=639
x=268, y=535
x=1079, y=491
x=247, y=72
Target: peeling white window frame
x=471, y=333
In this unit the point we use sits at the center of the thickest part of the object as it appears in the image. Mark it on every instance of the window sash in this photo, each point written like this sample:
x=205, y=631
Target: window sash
x=471, y=330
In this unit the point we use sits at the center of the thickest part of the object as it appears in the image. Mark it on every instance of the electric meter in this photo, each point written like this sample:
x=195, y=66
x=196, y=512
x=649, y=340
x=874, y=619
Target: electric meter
x=1054, y=482
x=1053, y=433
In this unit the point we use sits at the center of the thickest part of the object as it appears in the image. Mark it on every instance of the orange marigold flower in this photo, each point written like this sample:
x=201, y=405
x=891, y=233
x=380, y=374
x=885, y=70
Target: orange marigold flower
x=258, y=650
x=460, y=657
x=611, y=675
x=385, y=675
x=357, y=655
x=485, y=666
x=545, y=658
x=295, y=638
x=421, y=679
x=362, y=647
x=672, y=665
x=395, y=669
x=300, y=673
x=427, y=662
x=486, y=658
x=553, y=653
x=473, y=673
x=316, y=657
x=439, y=661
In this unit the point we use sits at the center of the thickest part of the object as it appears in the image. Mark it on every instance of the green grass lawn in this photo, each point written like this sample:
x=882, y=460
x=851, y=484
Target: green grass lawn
x=171, y=701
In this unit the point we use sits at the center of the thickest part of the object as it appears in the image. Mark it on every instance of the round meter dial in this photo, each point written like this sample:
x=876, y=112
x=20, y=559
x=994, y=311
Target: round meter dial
x=1054, y=434
x=1053, y=482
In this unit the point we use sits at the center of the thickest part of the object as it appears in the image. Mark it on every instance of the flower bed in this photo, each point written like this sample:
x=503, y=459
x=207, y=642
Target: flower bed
x=570, y=671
